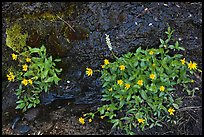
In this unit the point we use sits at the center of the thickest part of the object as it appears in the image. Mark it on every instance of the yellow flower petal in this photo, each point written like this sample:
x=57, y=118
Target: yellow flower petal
x=28, y=60
x=192, y=65
x=14, y=56
x=122, y=67
x=106, y=62
x=152, y=76
x=171, y=111
x=90, y=120
x=120, y=82
x=127, y=86
x=162, y=88
x=151, y=52
x=141, y=120
x=140, y=82
x=25, y=82
x=183, y=61
x=102, y=117
x=81, y=120
x=25, y=67
x=89, y=71
x=30, y=81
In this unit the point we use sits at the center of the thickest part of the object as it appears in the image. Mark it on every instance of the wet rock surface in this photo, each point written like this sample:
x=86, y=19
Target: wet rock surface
x=129, y=24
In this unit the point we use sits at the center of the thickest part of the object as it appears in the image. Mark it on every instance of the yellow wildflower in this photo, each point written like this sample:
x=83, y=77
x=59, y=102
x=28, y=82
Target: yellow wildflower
x=25, y=67
x=106, y=62
x=152, y=76
x=25, y=82
x=110, y=89
x=171, y=111
x=14, y=56
x=120, y=82
x=127, y=86
x=10, y=76
x=89, y=71
x=140, y=82
x=28, y=59
x=141, y=120
x=192, y=65
x=122, y=67
x=103, y=66
x=81, y=120
x=102, y=117
x=151, y=52
x=162, y=88
x=183, y=61
x=30, y=81
x=90, y=120
x=153, y=65
x=192, y=81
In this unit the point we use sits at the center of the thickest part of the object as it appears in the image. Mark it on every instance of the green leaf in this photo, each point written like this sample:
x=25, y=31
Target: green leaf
x=128, y=97
x=151, y=125
x=131, y=111
x=142, y=64
x=20, y=106
x=170, y=89
x=158, y=124
x=105, y=84
x=20, y=101
x=161, y=94
x=116, y=122
x=28, y=73
x=30, y=105
x=171, y=46
x=50, y=79
x=162, y=41
x=181, y=48
x=108, y=78
x=135, y=63
x=58, y=70
x=46, y=89
x=138, y=50
x=57, y=60
x=34, y=50
x=175, y=106
x=171, y=99
x=143, y=94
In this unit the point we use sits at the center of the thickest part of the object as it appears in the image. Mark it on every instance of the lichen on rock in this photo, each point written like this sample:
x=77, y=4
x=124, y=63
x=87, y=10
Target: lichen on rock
x=15, y=39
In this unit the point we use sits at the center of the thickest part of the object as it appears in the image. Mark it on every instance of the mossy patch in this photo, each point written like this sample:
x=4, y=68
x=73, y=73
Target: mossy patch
x=15, y=39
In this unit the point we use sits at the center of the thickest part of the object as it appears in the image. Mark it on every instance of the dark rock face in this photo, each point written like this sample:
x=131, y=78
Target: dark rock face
x=119, y=21
x=129, y=24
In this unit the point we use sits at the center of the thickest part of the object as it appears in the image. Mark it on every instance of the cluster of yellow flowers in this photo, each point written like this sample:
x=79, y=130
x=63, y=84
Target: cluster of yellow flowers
x=82, y=120
x=191, y=65
x=10, y=76
x=89, y=72
x=24, y=68
x=25, y=82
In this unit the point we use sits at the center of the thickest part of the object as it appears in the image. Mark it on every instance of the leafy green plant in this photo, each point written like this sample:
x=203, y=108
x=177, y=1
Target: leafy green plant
x=138, y=87
x=36, y=74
